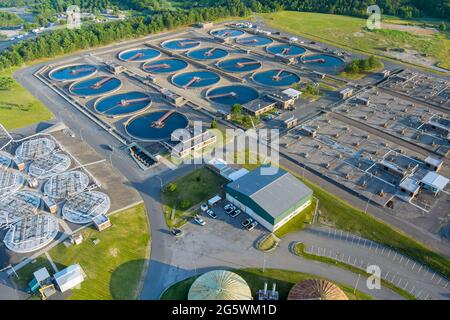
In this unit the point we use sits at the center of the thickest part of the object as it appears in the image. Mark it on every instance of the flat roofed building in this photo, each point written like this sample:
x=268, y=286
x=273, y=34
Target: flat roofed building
x=194, y=143
x=435, y=182
x=410, y=186
x=433, y=163
x=346, y=93
x=259, y=106
x=271, y=199
x=284, y=100
x=69, y=278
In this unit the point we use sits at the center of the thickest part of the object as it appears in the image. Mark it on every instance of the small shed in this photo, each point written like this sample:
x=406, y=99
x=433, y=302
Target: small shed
x=41, y=275
x=69, y=278
x=214, y=200
x=101, y=222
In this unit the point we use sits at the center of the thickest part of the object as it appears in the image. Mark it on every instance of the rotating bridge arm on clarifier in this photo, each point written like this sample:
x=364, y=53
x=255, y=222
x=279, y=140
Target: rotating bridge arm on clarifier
x=248, y=41
x=210, y=52
x=186, y=43
x=100, y=83
x=223, y=95
x=136, y=56
x=126, y=102
x=277, y=77
x=160, y=122
x=191, y=82
x=75, y=71
x=157, y=66
x=286, y=50
x=247, y=63
x=320, y=60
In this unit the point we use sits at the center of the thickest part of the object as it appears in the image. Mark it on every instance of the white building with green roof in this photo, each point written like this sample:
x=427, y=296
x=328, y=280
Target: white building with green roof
x=272, y=200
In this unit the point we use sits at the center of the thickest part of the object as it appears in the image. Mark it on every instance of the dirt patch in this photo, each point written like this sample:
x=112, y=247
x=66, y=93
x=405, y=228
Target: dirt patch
x=411, y=29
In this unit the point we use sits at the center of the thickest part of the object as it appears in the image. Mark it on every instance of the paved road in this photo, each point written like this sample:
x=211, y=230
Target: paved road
x=396, y=268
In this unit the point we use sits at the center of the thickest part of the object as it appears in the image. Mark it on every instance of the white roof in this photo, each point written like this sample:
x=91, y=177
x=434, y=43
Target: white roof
x=292, y=93
x=435, y=180
x=433, y=161
x=214, y=200
x=237, y=174
x=42, y=274
x=69, y=278
x=410, y=185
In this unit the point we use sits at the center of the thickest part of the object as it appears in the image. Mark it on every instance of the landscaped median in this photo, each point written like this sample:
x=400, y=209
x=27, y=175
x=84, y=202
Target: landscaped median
x=255, y=278
x=114, y=265
x=181, y=198
x=299, y=249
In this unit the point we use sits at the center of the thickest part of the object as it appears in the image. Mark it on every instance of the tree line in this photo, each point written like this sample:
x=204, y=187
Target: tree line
x=358, y=8
x=63, y=41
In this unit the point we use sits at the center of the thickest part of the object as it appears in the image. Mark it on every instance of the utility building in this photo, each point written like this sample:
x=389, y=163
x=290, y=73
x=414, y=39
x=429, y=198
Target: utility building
x=270, y=199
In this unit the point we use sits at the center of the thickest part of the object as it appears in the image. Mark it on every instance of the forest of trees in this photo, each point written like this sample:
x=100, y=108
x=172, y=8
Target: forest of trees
x=401, y=8
x=9, y=19
x=68, y=40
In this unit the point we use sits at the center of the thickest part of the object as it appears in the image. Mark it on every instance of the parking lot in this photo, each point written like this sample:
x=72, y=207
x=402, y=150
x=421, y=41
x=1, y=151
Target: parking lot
x=225, y=224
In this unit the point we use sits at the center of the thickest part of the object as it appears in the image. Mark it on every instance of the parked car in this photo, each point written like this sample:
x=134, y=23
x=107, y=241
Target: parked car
x=176, y=232
x=199, y=221
x=211, y=214
x=230, y=209
x=252, y=225
x=204, y=207
x=247, y=222
x=227, y=206
x=235, y=213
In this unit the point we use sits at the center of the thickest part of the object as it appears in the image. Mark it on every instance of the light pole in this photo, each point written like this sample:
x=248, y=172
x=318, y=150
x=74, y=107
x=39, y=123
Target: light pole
x=367, y=205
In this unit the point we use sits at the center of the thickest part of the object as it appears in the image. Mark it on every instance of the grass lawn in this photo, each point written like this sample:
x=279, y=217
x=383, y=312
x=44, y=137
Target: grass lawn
x=192, y=189
x=255, y=278
x=113, y=267
x=299, y=222
x=18, y=108
x=350, y=33
x=299, y=249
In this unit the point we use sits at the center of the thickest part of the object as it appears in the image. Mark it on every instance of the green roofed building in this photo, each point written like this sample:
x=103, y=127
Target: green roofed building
x=270, y=199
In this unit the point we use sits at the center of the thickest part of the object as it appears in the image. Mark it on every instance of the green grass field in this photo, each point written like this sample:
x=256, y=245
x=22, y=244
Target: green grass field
x=18, y=108
x=196, y=187
x=113, y=267
x=255, y=278
x=350, y=33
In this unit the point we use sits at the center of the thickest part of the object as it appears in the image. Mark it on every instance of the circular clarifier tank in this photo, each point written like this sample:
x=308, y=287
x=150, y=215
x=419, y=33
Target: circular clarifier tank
x=254, y=41
x=165, y=66
x=72, y=72
x=276, y=77
x=231, y=95
x=95, y=86
x=227, y=33
x=180, y=44
x=207, y=54
x=323, y=63
x=139, y=55
x=239, y=65
x=195, y=79
x=286, y=50
x=156, y=125
x=123, y=104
